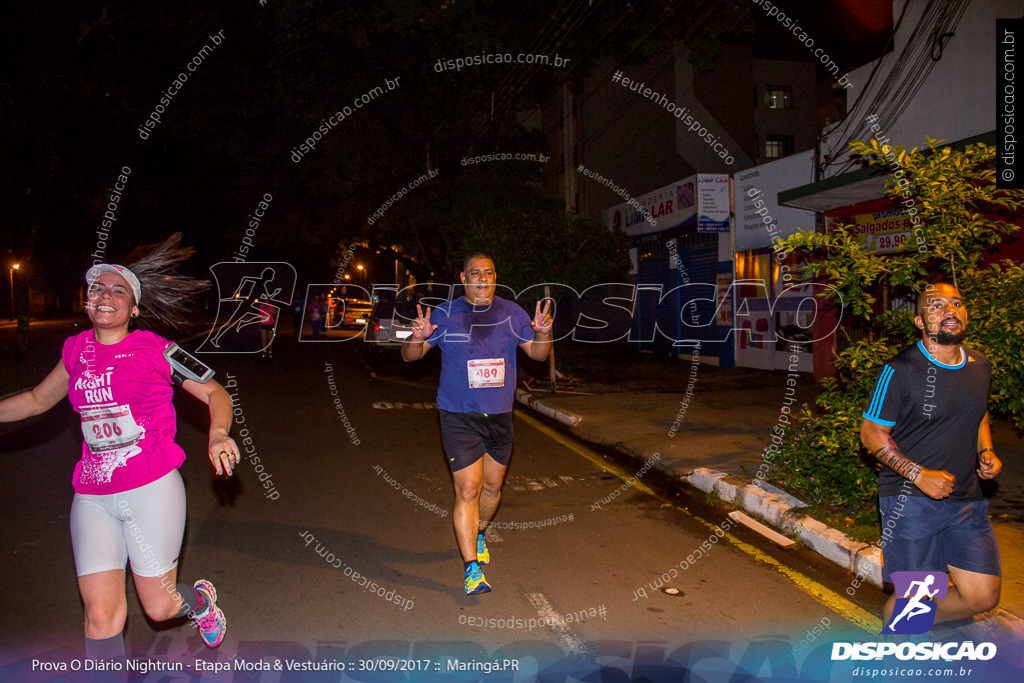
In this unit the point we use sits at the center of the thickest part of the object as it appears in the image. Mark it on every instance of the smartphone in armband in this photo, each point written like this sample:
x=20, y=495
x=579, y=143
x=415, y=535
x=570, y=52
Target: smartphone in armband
x=186, y=366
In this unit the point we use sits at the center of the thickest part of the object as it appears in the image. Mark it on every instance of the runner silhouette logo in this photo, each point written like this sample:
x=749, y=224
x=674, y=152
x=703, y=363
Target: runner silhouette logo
x=247, y=294
x=914, y=612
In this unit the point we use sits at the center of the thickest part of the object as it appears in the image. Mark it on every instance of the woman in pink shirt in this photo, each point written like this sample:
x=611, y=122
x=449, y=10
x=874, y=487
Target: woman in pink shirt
x=129, y=502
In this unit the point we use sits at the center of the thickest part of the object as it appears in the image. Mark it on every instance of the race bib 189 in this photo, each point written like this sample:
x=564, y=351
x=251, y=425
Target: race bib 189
x=486, y=372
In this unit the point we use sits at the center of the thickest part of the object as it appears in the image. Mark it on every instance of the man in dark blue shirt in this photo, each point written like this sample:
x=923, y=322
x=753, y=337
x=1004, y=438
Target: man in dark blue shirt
x=478, y=334
x=927, y=423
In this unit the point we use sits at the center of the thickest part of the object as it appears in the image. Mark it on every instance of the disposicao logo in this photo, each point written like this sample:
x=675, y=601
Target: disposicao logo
x=947, y=652
x=914, y=613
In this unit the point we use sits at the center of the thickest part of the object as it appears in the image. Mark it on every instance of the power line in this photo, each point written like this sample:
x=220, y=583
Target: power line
x=906, y=76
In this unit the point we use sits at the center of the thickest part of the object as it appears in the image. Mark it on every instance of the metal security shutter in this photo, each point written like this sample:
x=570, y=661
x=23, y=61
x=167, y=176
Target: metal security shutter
x=698, y=254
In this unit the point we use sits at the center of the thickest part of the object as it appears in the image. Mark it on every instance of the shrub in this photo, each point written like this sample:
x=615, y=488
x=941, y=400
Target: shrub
x=962, y=216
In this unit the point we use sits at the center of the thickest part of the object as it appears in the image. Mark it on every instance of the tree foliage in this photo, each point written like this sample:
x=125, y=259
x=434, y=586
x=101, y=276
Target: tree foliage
x=549, y=246
x=960, y=216
x=84, y=77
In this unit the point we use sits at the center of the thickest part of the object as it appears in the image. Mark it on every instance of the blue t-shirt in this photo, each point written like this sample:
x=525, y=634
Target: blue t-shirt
x=478, y=354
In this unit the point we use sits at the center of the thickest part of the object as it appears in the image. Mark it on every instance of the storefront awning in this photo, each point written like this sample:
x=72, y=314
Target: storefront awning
x=847, y=189
x=855, y=187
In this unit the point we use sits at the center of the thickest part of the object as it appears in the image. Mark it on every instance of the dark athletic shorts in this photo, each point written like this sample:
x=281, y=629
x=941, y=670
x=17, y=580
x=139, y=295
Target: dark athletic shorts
x=930, y=535
x=467, y=436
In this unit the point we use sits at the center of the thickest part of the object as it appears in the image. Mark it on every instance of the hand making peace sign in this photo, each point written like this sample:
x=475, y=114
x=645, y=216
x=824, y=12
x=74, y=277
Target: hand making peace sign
x=542, y=320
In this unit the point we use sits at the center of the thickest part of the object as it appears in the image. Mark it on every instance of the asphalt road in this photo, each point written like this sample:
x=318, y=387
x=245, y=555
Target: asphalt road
x=578, y=566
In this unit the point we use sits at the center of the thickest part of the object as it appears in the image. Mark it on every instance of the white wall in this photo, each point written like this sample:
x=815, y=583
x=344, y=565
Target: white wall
x=958, y=98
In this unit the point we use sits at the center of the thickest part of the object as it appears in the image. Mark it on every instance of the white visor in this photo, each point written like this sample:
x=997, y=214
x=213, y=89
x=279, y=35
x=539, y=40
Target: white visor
x=94, y=272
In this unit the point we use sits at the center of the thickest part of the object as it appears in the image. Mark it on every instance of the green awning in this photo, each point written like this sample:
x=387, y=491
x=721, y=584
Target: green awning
x=858, y=186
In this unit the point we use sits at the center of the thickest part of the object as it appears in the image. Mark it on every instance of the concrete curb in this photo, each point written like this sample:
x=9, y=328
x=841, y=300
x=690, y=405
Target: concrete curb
x=861, y=559
x=565, y=417
x=781, y=510
x=778, y=510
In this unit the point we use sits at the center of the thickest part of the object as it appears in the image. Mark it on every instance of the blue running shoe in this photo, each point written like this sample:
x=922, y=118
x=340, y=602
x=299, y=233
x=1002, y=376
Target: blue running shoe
x=483, y=556
x=475, y=581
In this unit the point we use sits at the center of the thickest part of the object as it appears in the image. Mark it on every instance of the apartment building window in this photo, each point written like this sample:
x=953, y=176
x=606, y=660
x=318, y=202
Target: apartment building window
x=778, y=146
x=778, y=97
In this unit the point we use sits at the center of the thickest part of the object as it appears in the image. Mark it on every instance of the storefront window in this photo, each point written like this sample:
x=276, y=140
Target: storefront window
x=750, y=265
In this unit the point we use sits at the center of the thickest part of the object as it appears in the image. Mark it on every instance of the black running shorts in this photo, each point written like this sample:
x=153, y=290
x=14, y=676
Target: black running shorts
x=468, y=436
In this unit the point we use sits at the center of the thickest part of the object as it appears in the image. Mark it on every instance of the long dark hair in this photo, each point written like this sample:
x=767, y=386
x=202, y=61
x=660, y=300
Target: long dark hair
x=166, y=295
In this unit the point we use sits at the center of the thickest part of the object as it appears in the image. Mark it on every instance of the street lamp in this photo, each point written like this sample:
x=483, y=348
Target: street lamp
x=362, y=271
x=14, y=267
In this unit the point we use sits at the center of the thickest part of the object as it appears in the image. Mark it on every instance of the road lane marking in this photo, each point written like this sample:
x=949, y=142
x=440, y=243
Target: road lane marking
x=826, y=596
x=571, y=642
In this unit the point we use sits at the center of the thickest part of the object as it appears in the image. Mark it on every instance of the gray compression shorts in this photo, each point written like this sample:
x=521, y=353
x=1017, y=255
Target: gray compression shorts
x=144, y=525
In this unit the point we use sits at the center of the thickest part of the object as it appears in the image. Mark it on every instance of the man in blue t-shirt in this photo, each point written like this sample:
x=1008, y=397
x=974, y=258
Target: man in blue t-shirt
x=927, y=423
x=478, y=334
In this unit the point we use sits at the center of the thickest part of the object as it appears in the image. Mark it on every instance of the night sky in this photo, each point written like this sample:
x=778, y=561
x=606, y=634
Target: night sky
x=83, y=78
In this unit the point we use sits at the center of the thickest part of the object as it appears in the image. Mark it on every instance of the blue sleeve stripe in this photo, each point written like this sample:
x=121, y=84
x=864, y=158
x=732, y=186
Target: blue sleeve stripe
x=878, y=420
x=880, y=388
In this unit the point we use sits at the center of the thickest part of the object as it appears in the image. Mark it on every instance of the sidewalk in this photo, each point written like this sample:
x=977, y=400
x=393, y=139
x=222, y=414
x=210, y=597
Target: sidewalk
x=713, y=441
